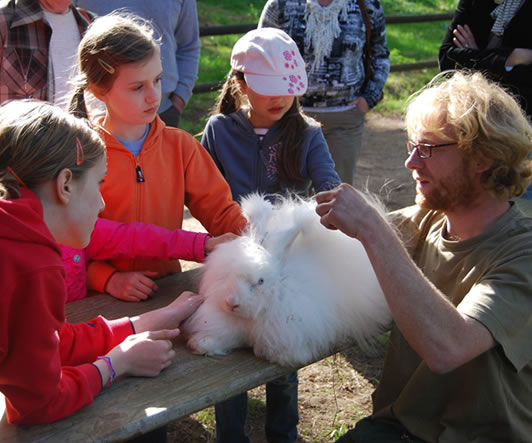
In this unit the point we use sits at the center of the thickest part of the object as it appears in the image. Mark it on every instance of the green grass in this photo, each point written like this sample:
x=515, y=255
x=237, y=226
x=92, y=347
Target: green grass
x=408, y=43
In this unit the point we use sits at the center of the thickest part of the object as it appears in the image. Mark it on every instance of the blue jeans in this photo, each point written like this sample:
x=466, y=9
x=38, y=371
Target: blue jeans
x=528, y=194
x=282, y=413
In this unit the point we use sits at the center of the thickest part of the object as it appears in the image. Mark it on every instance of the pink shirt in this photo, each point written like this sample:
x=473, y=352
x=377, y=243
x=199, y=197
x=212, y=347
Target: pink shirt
x=111, y=239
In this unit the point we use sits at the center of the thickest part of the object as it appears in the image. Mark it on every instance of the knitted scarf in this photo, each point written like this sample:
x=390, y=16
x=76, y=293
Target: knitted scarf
x=323, y=27
x=503, y=14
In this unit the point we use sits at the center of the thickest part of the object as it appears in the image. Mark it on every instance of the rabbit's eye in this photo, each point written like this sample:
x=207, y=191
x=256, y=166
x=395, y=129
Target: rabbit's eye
x=260, y=281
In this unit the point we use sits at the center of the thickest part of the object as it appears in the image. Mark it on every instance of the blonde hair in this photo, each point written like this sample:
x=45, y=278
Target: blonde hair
x=483, y=118
x=111, y=41
x=37, y=141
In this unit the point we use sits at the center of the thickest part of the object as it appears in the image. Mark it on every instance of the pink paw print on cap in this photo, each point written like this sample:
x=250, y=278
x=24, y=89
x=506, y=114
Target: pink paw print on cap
x=291, y=85
x=289, y=56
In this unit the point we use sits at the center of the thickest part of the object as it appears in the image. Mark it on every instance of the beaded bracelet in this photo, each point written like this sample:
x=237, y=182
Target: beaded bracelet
x=112, y=372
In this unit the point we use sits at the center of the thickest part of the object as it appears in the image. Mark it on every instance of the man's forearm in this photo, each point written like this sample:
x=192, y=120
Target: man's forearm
x=443, y=337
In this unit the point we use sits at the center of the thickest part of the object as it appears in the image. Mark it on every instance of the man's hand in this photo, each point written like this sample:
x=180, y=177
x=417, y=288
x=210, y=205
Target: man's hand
x=178, y=102
x=346, y=209
x=132, y=286
x=361, y=104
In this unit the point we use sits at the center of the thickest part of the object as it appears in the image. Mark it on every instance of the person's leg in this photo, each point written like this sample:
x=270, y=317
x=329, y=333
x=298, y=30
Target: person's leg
x=343, y=132
x=159, y=435
x=231, y=418
x=171, y=117
x=282, y=413
x=373, y=431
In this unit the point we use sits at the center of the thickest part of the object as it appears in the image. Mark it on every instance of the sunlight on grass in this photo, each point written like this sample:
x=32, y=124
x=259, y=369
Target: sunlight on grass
x=416, y=42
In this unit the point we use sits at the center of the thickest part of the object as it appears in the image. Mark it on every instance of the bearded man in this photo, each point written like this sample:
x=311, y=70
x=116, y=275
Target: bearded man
x=458, y=276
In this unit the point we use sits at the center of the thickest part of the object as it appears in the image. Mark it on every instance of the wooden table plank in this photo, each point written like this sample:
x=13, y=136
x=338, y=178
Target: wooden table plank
x=136, y=405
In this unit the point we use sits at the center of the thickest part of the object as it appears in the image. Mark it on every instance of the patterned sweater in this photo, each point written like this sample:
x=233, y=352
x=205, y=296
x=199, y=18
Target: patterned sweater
x=340, y=77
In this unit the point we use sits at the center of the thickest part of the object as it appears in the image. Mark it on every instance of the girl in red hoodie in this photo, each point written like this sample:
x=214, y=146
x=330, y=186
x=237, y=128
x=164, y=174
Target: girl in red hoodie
x=51, y=168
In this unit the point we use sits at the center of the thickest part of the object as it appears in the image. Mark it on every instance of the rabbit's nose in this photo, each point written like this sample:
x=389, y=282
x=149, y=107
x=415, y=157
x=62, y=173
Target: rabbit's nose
x=231, y=302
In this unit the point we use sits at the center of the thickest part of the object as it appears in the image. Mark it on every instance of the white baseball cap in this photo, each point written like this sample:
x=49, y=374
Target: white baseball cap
x=271, y=63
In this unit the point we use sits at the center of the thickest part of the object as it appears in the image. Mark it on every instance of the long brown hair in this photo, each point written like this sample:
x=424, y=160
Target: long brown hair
x=110, y=41
x=37, y=141
x=291, y=126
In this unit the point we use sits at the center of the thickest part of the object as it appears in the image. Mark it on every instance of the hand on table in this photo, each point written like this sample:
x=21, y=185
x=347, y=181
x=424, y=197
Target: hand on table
x=132, y=286
x=145, y=354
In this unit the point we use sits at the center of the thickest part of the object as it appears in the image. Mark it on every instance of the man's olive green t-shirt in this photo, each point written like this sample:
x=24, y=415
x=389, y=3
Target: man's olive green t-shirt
x=489, y=278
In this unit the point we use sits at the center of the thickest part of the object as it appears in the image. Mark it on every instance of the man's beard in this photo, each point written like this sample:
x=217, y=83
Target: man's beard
x=455, y=191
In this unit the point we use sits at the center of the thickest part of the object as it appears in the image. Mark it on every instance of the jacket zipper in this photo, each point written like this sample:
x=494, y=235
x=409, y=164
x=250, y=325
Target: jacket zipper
x=140, y=176
x=140, y=179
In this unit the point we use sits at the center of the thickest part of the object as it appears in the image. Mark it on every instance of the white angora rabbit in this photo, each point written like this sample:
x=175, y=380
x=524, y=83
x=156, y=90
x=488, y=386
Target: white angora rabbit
x=288, y=287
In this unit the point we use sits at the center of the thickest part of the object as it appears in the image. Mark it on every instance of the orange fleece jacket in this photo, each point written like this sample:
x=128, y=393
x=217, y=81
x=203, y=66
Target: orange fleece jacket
x=171, y=171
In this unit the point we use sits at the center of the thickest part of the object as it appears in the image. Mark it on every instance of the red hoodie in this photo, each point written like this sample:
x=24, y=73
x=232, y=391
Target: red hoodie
x=45, y=364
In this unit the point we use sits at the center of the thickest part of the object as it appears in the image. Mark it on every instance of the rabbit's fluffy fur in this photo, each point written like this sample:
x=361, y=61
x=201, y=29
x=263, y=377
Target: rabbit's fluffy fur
x=288, y=287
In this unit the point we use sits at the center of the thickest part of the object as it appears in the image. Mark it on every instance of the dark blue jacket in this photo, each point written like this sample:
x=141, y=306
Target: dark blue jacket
x=250, y=165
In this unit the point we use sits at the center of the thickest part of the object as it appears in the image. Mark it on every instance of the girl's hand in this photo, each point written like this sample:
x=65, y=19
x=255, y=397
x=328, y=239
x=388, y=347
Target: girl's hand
x=184, y=306
x=171, y=316
x=132, y=286
x=145, y=354
x=464, y=38
x=361, y=104
x=212, y=242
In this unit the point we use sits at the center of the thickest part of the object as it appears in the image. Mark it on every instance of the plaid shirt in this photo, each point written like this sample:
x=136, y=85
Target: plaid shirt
x=26, y=70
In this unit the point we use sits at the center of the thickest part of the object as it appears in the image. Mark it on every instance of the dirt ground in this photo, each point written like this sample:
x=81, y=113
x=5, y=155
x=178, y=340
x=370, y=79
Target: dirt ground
x=336, y=392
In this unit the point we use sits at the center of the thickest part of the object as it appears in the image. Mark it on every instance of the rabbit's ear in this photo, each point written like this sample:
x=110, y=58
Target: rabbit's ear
x=281, y=242
x=257, y=211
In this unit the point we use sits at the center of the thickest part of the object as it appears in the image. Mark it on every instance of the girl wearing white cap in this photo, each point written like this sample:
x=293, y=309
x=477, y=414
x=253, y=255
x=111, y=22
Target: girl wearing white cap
x=262, y=142
x=344, y=45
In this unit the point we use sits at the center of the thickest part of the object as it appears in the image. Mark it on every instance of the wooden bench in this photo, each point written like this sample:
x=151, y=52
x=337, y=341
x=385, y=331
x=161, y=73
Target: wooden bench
x=136, y=405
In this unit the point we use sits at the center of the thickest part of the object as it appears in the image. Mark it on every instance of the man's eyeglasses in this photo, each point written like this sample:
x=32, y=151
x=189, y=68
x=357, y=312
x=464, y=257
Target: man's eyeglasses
x=424, y=150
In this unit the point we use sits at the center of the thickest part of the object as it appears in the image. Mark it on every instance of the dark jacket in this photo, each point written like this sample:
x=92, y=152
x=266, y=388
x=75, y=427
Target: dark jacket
x=477, y=15
x=250, y=164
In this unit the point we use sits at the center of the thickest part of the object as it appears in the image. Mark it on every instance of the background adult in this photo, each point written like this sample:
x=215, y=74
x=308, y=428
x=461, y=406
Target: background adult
x=493, y=37
x=459, y=287
x=343, y=43
x=177, y=22
x=38, y=47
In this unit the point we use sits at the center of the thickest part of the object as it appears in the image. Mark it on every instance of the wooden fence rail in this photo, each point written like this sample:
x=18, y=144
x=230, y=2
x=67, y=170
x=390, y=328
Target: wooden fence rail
x=206, y=31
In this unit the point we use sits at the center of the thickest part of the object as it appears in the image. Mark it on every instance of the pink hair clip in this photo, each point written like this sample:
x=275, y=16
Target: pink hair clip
x=80, y=156
x=21, y=183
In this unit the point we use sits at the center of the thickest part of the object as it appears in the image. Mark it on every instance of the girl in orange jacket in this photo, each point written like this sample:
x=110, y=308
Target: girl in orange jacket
x=154, y=171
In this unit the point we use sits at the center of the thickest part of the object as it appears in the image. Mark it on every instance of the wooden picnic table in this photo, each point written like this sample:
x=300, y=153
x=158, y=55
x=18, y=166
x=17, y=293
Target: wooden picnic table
x=136, y=405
